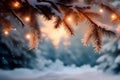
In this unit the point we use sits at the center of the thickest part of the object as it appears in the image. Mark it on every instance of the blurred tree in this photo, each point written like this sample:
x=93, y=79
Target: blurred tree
x=13, y=52
x=110, y=60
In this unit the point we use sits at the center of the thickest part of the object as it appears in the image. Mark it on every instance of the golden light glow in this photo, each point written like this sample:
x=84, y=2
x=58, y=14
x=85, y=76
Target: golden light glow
x=6, y=32
x=69, y=18
x=16, y=4
x=113, y=16
x=49, y=31
x=27, y=19
x=28, y=36
x=101, y=10
x=55, y=34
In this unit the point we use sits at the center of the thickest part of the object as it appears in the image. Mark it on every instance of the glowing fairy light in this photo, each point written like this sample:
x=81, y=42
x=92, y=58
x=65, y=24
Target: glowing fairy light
x=101, y=10
x=16, y=4
x=113, y=16
x=27, y=18
x=69, y=19
x=6, y=33
x=28, y=36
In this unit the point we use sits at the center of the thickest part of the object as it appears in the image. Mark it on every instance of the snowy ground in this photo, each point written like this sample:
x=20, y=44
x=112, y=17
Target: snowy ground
x=68, y=73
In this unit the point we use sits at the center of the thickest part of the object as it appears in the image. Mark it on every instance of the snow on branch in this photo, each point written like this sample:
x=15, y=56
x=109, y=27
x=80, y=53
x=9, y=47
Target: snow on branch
x=26, y=11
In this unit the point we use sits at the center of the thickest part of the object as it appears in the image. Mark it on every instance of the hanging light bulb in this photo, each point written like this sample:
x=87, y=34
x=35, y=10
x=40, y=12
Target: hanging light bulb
x=28, y=36
x=27, y=19
x=69, y=18
x=113, y=16
x=6, y=33
x=101, y=10
x=16, y=4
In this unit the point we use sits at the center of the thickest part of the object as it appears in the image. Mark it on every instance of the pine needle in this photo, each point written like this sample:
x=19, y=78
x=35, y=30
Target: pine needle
x=97, y=39
x=68, y=28
x=88, y=36
x=92, y=14
x=57, y=22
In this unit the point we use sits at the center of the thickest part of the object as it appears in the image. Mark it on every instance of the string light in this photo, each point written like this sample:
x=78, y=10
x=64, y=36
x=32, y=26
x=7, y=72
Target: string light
x=6, y=33
x=113, y=16
x=16, y=4
x=101, y=10
x=69, y=18
x=27, y=18
x=28, y=36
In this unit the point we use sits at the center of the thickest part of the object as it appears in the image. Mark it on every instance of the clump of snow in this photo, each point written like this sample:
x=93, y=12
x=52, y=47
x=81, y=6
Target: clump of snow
x=105, y=58
x=117, y=60
x=108, y=47
x=116, y=3
x=32, y=2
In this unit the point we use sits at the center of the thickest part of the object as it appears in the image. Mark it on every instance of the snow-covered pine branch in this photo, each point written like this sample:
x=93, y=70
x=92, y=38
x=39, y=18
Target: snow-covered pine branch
x=26, y=11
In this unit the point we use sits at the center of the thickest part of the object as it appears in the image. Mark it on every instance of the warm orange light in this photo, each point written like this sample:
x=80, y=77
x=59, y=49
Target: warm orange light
x=6, y=32
x=28, y=36
x=16, y=4
x=56, y=35
x=101, y=10
x=27, y=18
x=69, y=19
x=113, y=16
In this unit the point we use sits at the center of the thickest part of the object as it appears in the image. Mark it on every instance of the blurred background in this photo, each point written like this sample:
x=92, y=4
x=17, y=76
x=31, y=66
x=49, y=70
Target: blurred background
x=57, y=51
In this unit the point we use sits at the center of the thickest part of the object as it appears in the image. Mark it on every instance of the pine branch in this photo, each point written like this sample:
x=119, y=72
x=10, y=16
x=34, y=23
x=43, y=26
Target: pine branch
x=57, y=22
x=77, y=18
x=95, y=33
x=88, y=35
x=102, y=27
x=67, y=1
x=15, y=15
x=68, y=28
x=45, y=10
x=92, y=14
x=6, y=24
x=108, y=33
x=52, y=3
x=97, y=39
x=112, y=9
x=73, y=6
x=61, y=10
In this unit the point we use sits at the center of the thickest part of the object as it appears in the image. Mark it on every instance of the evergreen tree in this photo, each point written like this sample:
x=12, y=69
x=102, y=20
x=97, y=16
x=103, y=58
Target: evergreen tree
x=25, y=12
x=61, y=10
x=13, y=52
x=110, y=59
